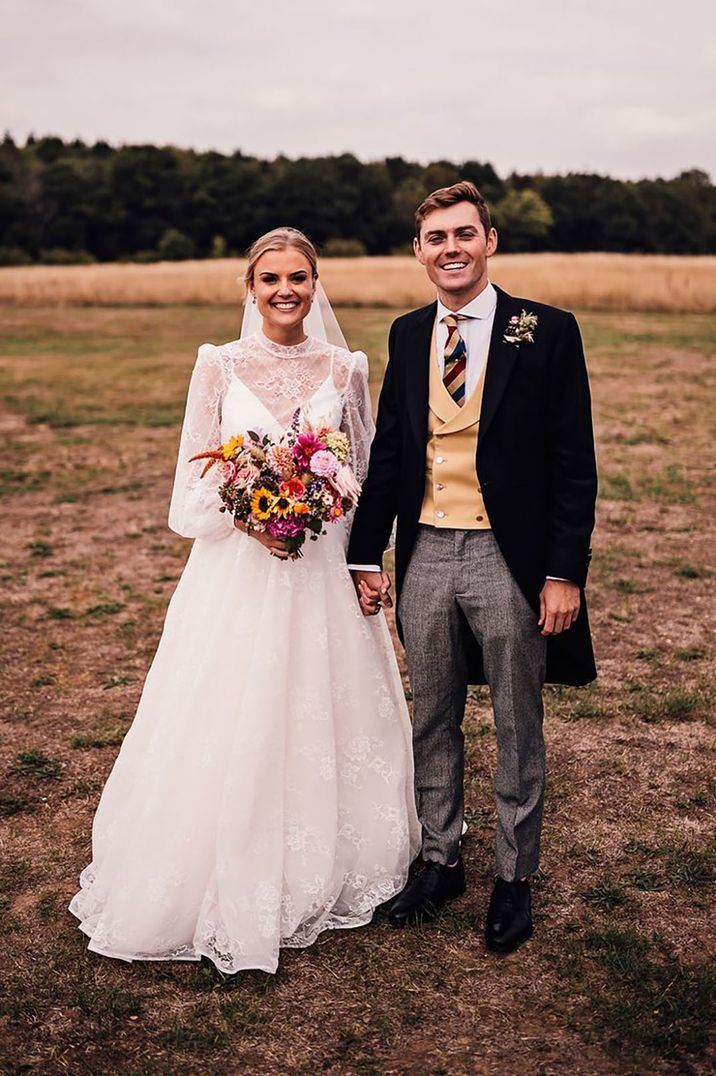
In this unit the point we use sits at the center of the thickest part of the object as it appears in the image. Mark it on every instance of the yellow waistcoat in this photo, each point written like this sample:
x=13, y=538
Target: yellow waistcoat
x=452, y=492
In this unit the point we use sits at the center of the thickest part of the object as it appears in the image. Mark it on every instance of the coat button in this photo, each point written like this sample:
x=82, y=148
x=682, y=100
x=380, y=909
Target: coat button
x=441, y=515
x=479, y=518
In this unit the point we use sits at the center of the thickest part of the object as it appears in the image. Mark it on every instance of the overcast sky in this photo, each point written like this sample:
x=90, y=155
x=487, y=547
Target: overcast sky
x=625, y=87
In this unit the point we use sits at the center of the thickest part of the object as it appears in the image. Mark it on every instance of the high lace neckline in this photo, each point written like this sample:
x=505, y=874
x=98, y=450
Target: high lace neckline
x=285, y=351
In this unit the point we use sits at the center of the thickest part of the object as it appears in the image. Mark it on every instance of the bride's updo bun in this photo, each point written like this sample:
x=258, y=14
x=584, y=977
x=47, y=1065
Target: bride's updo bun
x=280, y=239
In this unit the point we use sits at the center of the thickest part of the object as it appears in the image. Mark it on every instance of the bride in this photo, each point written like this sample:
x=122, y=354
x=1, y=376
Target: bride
x=264, y=792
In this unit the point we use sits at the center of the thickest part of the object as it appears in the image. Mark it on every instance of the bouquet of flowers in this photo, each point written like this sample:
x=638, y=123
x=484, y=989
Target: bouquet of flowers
x=288, y=488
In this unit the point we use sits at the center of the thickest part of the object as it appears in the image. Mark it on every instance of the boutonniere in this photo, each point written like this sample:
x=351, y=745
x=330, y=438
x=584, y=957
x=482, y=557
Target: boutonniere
x=521, y=329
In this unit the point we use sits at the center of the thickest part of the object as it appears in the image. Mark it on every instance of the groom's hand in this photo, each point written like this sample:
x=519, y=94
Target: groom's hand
x=558, y=606
x=373, y=590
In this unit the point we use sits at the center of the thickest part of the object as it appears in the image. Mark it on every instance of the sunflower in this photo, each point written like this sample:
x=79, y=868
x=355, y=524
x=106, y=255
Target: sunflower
x=262, y=503
x=282, y=506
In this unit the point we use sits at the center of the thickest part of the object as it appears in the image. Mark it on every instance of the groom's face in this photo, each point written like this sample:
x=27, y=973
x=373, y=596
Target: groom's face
x=454, y=249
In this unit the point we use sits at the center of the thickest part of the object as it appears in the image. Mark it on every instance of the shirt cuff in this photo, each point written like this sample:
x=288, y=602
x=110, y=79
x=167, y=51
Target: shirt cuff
x=364, y=568
x=559, y=579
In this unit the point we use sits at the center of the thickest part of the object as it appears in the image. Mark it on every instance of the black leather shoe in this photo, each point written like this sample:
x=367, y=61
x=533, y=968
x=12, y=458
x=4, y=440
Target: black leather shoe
x=509, y=917
x=423, y=898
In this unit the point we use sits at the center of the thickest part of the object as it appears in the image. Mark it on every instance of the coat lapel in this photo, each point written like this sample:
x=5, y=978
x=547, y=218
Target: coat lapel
x=418, y=371
x=501, y=359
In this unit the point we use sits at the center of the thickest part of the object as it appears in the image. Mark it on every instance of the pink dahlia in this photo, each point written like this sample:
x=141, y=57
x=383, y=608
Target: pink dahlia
x=324, y=464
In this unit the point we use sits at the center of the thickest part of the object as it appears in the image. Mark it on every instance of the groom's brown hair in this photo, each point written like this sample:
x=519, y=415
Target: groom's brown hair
x=464, y=191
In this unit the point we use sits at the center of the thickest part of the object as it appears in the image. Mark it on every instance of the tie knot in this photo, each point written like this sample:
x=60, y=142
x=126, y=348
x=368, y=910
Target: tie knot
x=451, y=320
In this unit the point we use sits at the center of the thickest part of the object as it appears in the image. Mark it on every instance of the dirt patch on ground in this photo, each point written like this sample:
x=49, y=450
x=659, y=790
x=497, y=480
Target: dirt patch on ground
x=618, y=978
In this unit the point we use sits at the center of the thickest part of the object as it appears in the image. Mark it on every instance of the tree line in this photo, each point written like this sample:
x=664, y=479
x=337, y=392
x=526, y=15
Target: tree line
x=63, y=202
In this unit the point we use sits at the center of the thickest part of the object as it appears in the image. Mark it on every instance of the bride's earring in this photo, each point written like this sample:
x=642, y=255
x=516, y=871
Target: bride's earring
x=254, y=300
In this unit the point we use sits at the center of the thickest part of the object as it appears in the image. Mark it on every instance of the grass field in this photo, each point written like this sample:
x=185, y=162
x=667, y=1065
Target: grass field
x=583, y=281
x=619, y=977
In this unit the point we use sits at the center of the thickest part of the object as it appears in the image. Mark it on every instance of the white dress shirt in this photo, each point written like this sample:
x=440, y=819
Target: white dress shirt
x=475, y=328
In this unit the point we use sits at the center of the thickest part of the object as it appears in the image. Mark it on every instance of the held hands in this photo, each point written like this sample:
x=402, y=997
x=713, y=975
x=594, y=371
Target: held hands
x=559, y=601
x=558, y=606
x=373, y=590
x=275, y=546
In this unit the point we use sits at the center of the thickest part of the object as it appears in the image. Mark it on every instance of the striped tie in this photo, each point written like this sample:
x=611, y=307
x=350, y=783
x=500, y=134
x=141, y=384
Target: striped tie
x=455, y=357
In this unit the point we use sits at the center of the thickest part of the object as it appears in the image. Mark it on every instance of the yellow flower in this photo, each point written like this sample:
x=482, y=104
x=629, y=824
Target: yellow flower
x=282, y=506
x=337, y=443
x=231, y=447
x=262, y=503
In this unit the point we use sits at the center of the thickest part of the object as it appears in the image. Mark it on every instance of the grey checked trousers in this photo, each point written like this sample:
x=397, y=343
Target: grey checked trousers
x=457, y=582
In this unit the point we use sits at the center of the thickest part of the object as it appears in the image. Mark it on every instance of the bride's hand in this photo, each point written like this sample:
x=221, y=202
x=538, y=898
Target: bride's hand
x=373, y=590
x=275, y=546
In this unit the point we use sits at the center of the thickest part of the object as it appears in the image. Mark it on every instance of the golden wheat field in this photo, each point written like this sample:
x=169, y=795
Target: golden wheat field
x=582, y=281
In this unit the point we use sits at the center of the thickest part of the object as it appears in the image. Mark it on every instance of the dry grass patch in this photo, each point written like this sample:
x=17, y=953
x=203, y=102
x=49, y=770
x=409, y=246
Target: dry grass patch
x=617, y=979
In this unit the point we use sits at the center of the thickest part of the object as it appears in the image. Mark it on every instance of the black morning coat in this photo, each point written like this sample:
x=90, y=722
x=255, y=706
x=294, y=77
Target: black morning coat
x=535, y=464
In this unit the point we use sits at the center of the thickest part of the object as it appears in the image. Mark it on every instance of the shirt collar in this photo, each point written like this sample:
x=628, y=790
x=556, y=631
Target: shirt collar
x=482, y=306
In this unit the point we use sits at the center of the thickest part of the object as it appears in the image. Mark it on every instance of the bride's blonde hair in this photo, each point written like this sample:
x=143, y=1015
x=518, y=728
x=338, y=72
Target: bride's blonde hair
x=280, y=239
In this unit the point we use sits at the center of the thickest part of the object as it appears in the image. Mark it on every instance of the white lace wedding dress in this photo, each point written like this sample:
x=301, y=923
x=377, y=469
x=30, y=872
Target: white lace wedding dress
x=264, y=792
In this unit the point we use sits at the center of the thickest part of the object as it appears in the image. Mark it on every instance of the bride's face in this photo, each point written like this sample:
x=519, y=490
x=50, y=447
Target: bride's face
x=283, y=287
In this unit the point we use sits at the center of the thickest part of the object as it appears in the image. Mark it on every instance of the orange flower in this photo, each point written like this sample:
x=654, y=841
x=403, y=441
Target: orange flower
x=212, y=457
x=293, y=488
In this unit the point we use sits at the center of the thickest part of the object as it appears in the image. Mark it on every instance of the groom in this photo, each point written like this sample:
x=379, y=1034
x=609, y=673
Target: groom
x=484, y=452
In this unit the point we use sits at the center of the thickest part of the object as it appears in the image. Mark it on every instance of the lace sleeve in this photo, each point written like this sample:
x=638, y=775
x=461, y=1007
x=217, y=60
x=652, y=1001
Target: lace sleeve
x=194, y=508
x=357, y=421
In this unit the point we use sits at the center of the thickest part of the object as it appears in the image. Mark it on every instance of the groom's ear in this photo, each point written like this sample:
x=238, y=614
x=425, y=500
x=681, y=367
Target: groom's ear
x=418, y=250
